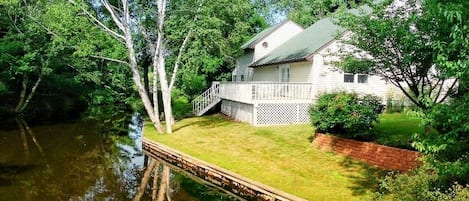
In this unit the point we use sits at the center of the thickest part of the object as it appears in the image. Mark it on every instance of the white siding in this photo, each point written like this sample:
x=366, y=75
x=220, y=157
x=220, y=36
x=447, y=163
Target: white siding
x=276, y=38
x=266, y=73
x=300, y=72
x=327, y=78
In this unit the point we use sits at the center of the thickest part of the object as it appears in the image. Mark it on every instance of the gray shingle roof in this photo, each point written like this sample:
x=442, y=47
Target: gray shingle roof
x=302, y=45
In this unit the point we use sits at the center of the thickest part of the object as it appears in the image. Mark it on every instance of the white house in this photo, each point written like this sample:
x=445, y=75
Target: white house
x=283, y=70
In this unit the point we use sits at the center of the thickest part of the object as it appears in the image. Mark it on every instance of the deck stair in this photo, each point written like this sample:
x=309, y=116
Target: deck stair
x=203, y=103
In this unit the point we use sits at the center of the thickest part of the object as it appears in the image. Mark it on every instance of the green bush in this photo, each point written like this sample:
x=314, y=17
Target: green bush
x=452, y=123
x=346, y=114
x=448, y=148
x=421, y=184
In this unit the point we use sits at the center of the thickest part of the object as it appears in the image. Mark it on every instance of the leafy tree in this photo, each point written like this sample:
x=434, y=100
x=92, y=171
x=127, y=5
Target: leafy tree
x=169, y=28
x=420, y=46
x=401, y=41
x=28, y=52
x=46, y=42
x=217, y=35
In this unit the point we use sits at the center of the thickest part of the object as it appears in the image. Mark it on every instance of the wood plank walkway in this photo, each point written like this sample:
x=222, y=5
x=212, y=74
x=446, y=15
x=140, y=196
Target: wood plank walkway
x=220, y=177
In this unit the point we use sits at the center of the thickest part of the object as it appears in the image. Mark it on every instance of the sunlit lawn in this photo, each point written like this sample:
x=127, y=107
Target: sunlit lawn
x=280, y=156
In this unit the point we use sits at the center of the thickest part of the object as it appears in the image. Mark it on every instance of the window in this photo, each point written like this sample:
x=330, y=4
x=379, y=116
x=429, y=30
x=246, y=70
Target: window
x=348, y=77
x=265, y=44
x=242, y=77
x=362, y=78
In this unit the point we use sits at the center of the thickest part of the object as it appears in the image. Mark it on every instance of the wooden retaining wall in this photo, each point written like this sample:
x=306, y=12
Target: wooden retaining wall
x=374, y=154
x=225, y=179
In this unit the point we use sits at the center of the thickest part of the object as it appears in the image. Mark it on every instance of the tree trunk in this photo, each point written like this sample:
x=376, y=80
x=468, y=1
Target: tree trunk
x=156, y=108
x=31, y=94
x=123, y=22
x=166, y=94
x=146, y=81
x=143, y=94
x=24, y=87
x=135, y=72
x=159, y=61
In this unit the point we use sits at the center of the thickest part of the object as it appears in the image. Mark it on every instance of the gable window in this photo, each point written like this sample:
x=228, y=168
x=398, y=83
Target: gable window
x=362, y=78
x=265, y=44
x=348, y=77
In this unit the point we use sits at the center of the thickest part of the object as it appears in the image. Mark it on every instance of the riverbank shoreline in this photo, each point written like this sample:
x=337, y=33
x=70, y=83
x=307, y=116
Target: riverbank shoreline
x=218, y=176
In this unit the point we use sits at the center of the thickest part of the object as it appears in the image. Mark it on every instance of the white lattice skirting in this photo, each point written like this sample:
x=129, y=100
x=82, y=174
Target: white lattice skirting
x=265, y=114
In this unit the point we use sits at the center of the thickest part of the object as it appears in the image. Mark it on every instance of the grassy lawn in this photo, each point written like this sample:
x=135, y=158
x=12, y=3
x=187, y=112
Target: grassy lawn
x=280, y=156
x=396, y=129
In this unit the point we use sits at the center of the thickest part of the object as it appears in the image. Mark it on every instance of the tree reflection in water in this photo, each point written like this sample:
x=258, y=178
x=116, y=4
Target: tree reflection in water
x=87, y=160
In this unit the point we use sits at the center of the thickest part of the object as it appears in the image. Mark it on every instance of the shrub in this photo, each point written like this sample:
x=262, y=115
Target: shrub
x=346, y=114
x=452, y=123
x=421, y=184
x=448, y=148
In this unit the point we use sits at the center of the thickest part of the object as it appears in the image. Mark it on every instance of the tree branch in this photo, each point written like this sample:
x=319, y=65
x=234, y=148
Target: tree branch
x=41, y=25
x=110, y=59
x=111, y=11
x=181, y=49
x=439, y=90
x=178, y=59
x=116, y=35
x=449, y=89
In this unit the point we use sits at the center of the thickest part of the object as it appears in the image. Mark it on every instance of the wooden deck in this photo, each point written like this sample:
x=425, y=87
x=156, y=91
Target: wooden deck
x=232, y=182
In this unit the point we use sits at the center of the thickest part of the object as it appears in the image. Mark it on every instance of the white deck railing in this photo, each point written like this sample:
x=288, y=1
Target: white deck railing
x=249, y=92
x=206, y=100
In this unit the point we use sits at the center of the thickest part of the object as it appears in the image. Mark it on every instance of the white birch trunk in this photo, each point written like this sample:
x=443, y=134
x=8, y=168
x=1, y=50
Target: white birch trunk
x=24, y=86
x=31, y=94
x=160, y=63
x=124, y=25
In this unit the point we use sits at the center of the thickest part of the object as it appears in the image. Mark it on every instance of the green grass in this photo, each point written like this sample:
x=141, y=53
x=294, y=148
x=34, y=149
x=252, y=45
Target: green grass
x=396, y=129
x=280, y=156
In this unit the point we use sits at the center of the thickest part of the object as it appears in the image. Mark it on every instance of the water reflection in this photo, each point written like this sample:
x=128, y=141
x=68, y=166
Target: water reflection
x=163, y=182
x=82, y=160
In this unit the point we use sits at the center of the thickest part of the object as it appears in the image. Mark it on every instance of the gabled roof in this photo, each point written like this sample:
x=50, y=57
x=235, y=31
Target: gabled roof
x=258, y=37
x=302, y=45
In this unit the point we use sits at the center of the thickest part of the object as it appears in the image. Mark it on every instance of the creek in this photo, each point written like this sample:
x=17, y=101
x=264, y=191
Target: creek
x=81, y=160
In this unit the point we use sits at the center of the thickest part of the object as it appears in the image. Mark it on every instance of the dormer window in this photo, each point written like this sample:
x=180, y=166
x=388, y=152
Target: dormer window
x=265, y=44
